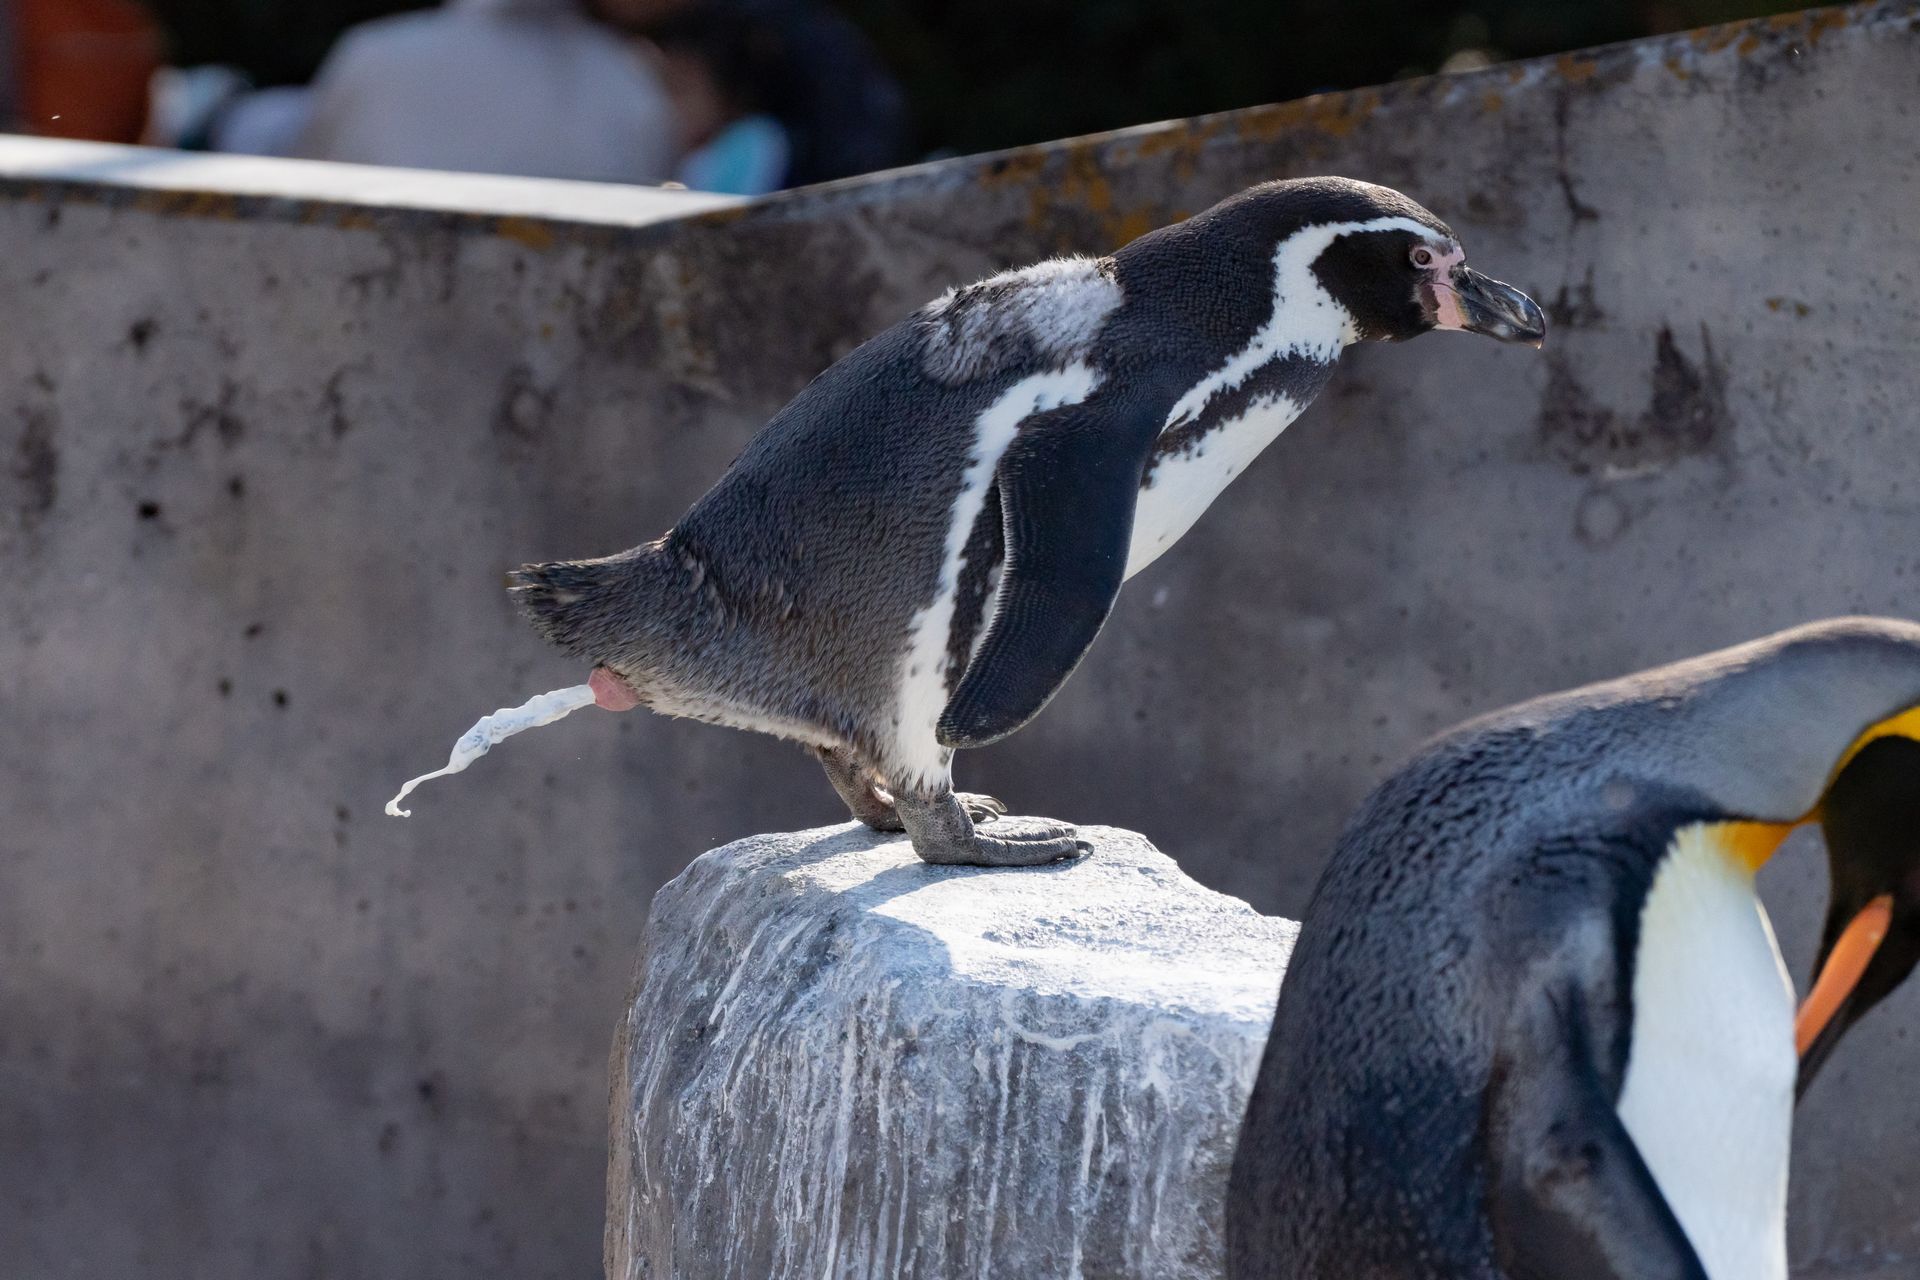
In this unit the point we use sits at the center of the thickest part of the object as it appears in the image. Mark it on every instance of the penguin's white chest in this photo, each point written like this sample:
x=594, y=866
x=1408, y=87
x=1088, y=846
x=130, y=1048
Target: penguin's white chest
x=1185, y=482
x=1708, y=1097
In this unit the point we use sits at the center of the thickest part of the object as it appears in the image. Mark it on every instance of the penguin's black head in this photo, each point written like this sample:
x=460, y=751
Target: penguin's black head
x=1398, y=282
x=1395, y=269
x=1871, y=819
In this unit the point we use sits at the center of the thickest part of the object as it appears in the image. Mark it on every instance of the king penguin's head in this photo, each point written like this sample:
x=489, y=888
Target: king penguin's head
x=1395, y=269
x=1815, y=726
x=1870, y=815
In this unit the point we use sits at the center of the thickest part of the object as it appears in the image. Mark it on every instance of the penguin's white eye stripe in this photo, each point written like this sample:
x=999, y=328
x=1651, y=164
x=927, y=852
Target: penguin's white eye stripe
x=1294, y=286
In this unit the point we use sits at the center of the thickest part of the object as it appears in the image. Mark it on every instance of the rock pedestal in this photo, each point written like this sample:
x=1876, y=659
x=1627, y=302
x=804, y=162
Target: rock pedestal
x=838, y=1061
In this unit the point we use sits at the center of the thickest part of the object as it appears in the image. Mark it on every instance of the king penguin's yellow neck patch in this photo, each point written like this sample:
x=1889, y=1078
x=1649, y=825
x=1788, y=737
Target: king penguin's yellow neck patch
x=1751, y=843
x=1748, y=844
x=1904, y=725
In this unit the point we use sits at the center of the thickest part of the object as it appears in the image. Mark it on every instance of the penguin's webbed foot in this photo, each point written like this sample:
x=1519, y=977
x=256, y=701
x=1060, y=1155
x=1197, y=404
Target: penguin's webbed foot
x=946, y=834
x=1022, y=842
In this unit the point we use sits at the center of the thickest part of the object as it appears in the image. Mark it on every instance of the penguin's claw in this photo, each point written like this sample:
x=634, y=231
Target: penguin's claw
x=980, y=808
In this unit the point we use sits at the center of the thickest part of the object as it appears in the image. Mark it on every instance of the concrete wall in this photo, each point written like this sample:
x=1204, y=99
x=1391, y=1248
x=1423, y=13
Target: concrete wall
x=263, y=459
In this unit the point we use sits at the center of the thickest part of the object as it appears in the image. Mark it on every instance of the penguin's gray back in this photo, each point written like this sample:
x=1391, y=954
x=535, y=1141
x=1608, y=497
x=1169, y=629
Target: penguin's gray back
x=862, y=521
x=1366, y=1141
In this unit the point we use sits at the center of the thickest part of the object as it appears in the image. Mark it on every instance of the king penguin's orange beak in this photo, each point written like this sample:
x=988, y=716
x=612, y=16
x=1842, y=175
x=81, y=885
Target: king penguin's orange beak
x=1851, y=955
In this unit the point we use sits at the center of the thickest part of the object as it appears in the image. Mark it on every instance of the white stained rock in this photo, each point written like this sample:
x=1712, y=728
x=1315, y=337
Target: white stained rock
x=839, y=1061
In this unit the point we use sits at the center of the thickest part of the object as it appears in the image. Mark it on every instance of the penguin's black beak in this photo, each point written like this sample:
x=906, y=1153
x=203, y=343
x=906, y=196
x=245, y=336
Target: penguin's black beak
x=1473, y=303
x=1871, y=943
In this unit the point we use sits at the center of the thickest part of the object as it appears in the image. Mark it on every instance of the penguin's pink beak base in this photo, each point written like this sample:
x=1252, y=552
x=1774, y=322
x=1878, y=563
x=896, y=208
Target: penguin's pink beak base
x=1468, y=302
x=612, y=692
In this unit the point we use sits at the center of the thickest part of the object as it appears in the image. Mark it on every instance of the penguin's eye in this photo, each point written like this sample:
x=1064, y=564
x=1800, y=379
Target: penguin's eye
x=1422, y=256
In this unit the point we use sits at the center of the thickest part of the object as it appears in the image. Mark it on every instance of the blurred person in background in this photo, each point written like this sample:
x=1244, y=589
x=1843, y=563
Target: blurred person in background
x=529, y=87
x=744, y=68
x=736, y=96
x=728, y=141
x=216, y=108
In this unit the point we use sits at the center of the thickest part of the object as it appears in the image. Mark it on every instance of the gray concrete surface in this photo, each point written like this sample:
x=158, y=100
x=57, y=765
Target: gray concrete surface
x=841, y=1062
x=263, y=459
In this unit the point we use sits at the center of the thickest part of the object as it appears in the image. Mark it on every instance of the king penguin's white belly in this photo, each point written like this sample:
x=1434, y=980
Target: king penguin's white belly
x=1708, y=1097
x=1185, y=484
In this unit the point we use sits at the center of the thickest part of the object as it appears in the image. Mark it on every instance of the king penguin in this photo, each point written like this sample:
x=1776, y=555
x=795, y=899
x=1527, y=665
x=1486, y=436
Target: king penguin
x=914, y=554
x=1536, y=1026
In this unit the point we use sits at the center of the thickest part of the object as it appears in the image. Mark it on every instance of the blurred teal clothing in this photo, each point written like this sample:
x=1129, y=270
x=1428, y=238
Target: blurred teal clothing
x=747, y=158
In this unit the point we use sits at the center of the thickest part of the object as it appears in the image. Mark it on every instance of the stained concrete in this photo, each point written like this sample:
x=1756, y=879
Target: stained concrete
x=263, y=459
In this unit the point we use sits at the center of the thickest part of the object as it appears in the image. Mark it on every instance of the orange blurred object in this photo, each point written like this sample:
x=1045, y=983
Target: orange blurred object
x=84, y=67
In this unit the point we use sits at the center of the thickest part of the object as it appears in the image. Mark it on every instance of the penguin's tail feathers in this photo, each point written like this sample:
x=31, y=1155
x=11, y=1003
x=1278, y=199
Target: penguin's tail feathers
x=591, y=608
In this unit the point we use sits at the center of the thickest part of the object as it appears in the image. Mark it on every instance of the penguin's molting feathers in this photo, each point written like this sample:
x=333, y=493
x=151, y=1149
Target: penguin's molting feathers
x=1046, y=315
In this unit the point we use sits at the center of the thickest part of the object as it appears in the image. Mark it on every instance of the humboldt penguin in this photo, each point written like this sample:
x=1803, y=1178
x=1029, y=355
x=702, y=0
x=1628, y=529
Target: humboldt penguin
x=914, y=554
x=1536, y=1027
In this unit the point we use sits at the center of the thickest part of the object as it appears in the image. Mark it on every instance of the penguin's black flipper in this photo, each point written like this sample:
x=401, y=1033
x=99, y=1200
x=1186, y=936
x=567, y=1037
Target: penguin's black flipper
x=1068, y=486
x=1572, y=1197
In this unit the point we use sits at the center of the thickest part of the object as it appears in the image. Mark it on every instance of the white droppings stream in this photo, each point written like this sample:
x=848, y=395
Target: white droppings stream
x=541, y=709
